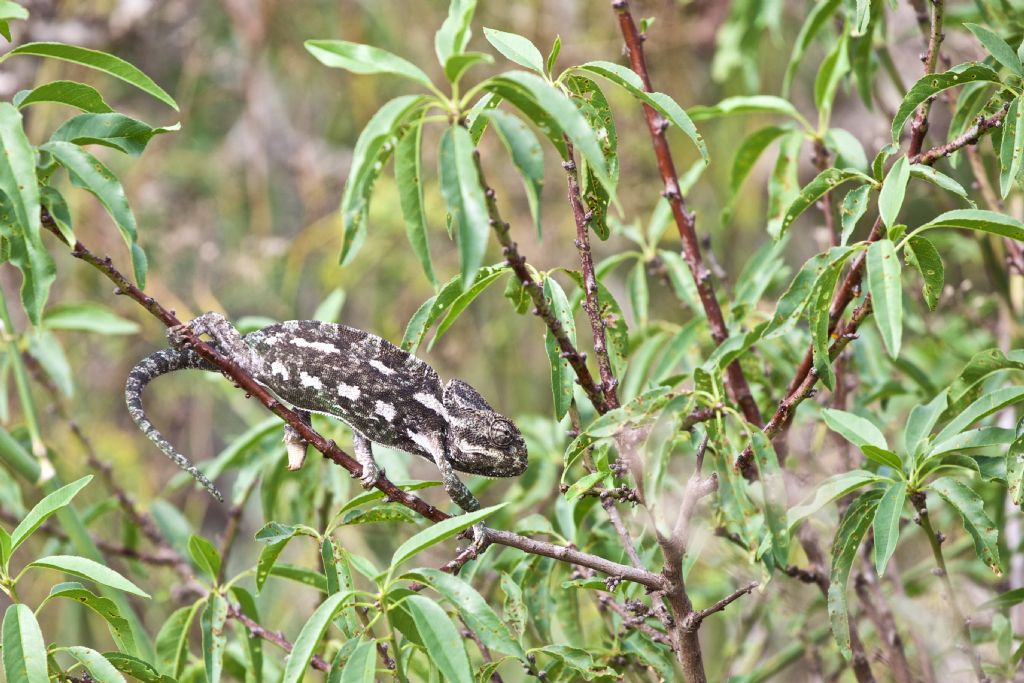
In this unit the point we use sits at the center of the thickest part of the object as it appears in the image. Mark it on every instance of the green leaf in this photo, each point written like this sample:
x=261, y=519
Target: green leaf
x=940, y=180
x=526, y=154
x=826, y=181
x=44, y=509
x=984, y=406
x=480, y=618
x=1011, y=149
x=922, y=420
x=18, y=172
x=556, y=49
x=834, y=487
x=562, y=375
x=374, y=146
x=172, y=641
x=453, y=36
x=855, y=523
x=855, y=204
x=816, y=19
x=660, y=102
x=91, y=570
x=1015, y=466
x=89, y=173
x=441, y=640
x=855, y=429
x=818, y=319
x=1004, y=600
x=932, y=84
x=71, y=93
x=784, y=184
x=997, y=47
x=140, y=670
x=516, y=48
x=849, y=151
x=205, y=555
x=746, y=104
x=364, y=59
x=922, y=255
x=214, y=641
x=113, y=130
x=835, y=65
x=885, y=287
x=434, y=307
x=774, y=495
x=361, y=664
x=439, y=532
x=971, y=509
x=463, y=301
x=978, y=219
x=310, y=636
x=747, y=154
x=24, y=648
x=87, y=317
x=639, y=296
x=120, y=629
x=10, y=10
x=587, y=95
x=101, y=670
x=54, y=203
x=409, y=179
x=973, y=439
x=100, y=61
x=557, y=108
x=584, y=484
x=894, y=189
x=464, y=195
x=329, y=310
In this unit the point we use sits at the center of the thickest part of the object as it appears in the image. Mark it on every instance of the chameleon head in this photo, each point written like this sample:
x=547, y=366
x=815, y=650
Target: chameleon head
x=480, y=440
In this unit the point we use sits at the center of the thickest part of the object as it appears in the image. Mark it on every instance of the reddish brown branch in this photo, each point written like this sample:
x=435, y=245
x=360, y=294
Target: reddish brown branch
x=275, y=637
x=685, y=221
x=969, y=137
x=919, y=127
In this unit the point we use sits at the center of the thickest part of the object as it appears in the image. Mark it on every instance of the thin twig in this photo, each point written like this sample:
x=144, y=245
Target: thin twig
x=275, y=637
x=920, y=124
x=694, y=619
x=971, y=136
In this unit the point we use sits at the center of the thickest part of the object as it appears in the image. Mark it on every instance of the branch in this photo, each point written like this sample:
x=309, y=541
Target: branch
x=737, y=381
x=968, y=137
x=694, y=619
x=920, y=124
x=275, y=637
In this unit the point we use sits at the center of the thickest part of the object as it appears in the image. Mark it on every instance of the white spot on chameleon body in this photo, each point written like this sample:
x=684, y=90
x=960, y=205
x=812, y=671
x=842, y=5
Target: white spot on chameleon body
x=310, y=381
x=423, y=441
x=322, y=347
x=279, y=368
x=385, y=410
x=430, y=401
x=348, y=391
x=380, y=367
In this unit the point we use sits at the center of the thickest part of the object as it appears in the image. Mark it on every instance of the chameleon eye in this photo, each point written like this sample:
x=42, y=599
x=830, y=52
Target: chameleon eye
x=502, y=432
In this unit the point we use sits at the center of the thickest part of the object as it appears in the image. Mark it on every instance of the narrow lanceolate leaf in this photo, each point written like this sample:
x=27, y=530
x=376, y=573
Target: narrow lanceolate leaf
x=364, y=59
x=982, y=407
x=749, y=152
x=205, y=555
x=885, y=287
x=662, y=103
x=310, y=636
x=10, y=10
x=110, y=130
x=517, y=48
x=971, y=509
x=18, y=172
x=214, y=639
x=91, y=570
x=997, y=47
x=360, y=666
x=784, y=184
x=120, y=630
x=1015, y=466
x=922, y=420
x=441, y=640
x=832, y=488
x=978, y=219
x=464, y=196
x=752, y=104
x=933, y=84
x=588, y=97
x=553, y=107
x=894, y=190
x=439, y=532
x=434, y=307
x=100, y=61
x=44, y=509
x=99, y=668
x=24, y=648
x=453, y=36
x=409, y=178
x=855, y=204
x=526, y=153
x=562, y=376
x=835, y=65
x=480, y=618
x=1011, y=149
x=71, y=93
x=816, y=19
x=887, y=524
x=374, y=146
x=844, y=550
x=774, y=495
x=484, y=279
x=941, y=180
x=922, y=255
x=826, y=181
x=89, y=173
x=818, y=307
x=854, y=428
x=172, y=641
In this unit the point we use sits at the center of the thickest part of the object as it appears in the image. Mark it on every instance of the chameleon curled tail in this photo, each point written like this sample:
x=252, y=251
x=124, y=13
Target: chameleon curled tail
x=148, y=369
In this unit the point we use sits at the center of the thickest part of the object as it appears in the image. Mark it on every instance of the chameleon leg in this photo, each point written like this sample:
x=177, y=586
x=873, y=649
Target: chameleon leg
x=294, y=444
x=364, y=454
x=456, y=490
x=224, y=334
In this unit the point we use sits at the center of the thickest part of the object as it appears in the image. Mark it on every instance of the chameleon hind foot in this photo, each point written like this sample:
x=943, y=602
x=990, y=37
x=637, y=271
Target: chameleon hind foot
x=364, y=455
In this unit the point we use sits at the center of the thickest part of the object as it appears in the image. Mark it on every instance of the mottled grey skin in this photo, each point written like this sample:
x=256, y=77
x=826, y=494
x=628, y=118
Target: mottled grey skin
x=384, y=394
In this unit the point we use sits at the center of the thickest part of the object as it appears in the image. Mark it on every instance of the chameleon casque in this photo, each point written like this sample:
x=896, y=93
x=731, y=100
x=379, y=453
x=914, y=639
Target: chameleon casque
x=386, y=395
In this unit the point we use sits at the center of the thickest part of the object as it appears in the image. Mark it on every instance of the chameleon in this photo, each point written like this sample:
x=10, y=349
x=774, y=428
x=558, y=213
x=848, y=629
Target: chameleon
x=384, y=394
